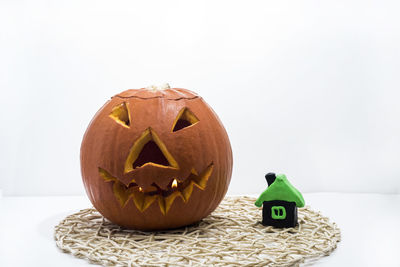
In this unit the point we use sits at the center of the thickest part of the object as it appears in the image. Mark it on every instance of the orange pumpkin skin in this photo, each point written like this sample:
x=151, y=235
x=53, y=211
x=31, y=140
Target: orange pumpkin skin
x=127, y=179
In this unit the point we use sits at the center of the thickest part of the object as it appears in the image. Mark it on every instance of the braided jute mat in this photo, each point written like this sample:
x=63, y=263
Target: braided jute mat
x=231, y=236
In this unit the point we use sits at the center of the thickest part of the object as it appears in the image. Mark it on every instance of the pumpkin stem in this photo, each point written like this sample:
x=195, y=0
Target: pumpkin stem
x=160, y=87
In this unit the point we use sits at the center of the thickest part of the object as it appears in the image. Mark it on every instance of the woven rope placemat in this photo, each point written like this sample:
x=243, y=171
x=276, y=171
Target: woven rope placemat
x=231, y=236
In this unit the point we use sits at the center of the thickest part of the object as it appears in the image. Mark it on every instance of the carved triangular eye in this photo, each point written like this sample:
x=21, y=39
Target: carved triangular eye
x=120, y=114
x=184, y=119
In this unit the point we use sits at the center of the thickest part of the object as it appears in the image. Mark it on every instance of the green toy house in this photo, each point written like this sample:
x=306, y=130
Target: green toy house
x=280, y=202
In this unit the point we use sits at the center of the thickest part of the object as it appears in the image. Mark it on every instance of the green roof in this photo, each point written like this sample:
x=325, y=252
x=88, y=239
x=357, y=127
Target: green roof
x=281, y=189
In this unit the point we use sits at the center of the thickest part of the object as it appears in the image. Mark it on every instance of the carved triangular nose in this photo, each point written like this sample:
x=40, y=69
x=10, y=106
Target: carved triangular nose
x=148, y=149
x=150, y=153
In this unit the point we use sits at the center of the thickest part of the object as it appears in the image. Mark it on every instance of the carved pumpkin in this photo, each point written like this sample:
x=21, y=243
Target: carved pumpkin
x=156, y=159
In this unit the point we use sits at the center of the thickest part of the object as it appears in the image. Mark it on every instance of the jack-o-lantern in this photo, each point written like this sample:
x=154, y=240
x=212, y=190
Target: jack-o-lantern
x=155, y=159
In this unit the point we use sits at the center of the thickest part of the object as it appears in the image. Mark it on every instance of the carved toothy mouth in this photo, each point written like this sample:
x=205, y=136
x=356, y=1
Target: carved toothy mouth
x=143, y=198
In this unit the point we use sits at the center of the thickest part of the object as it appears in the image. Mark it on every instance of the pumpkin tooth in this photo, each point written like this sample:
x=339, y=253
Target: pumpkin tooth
x=193, y=171
x=187, y=191
x=148, y=200
x=161, y=203
x=201, y=181
x=106, y=176
x=138, y=199
x=121, y=193
x=170, y=199
x=142, y=201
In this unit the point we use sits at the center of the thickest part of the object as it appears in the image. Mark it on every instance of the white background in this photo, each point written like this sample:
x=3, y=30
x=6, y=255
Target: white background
x=306, y=88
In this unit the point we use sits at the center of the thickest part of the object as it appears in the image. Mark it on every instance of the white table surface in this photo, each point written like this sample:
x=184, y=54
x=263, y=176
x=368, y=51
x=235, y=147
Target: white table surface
x=370, y=226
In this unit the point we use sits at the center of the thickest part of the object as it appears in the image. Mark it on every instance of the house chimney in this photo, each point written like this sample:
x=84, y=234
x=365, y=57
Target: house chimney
x=270, y=177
